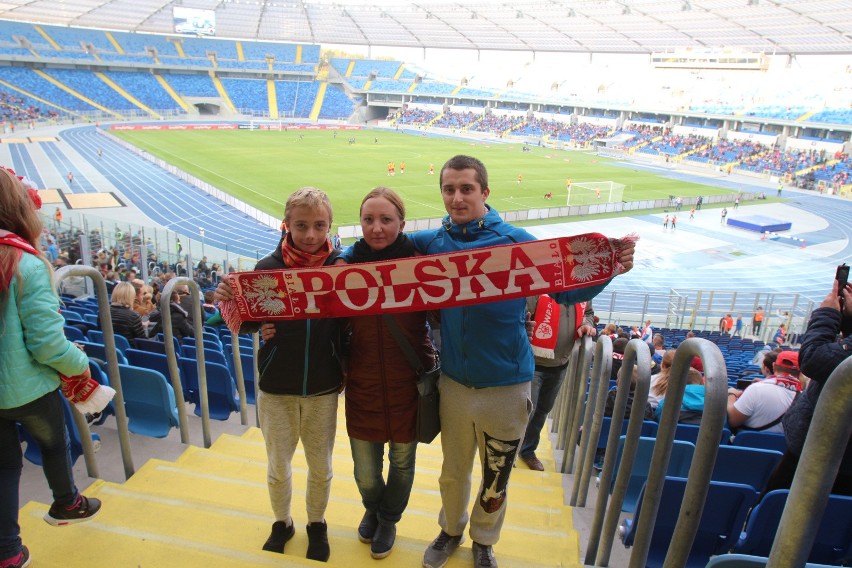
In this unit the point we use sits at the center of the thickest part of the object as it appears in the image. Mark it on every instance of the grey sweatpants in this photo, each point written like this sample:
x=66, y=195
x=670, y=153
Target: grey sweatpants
x=284, y=419
x=491, y=420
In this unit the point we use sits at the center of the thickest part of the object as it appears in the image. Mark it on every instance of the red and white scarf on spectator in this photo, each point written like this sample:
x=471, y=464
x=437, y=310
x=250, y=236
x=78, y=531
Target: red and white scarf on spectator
x=10, y=239
x=547, y=321
x=460, y=278
x=788, y=382
x=81, y=390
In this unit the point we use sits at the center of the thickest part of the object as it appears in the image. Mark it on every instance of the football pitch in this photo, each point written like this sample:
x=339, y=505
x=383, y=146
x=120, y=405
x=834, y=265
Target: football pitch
x=263, y=167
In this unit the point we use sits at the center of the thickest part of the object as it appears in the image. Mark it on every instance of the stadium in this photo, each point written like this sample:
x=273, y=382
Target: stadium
x=164, y=138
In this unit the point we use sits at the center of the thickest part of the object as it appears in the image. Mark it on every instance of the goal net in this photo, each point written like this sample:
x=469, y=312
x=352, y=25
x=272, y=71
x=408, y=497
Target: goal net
x=591, y=192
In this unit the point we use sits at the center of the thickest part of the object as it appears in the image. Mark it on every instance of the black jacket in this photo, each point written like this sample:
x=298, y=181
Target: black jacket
x=180, y=323
x=303, y=358
x=820, y=354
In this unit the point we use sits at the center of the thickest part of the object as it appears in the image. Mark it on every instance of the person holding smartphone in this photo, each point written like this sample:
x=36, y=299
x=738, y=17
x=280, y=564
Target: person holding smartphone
x=826, y=343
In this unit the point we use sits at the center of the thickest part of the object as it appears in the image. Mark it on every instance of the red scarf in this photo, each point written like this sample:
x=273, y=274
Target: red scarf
x=547, y=321
x=459, y=278
x=10, y=239
x=295, y=258
x=788, y=382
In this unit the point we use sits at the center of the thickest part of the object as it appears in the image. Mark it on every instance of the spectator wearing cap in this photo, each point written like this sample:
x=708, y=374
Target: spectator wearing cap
x=762, y=405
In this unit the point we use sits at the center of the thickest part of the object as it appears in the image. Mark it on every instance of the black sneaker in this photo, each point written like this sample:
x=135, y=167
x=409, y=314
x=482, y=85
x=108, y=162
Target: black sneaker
x=22, y=560
x=368, y=525
x=483, y=556
x=279, y=536
x=438, y=553
x=383, y=540
x=318, y=542
x=82, y=510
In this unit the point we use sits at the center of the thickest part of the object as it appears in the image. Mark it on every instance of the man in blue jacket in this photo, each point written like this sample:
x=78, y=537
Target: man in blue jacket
x=487, y=365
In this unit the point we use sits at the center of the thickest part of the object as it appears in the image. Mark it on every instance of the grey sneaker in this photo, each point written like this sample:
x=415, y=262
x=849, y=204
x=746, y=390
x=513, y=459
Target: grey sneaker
x=438, y=553
x=483, y=556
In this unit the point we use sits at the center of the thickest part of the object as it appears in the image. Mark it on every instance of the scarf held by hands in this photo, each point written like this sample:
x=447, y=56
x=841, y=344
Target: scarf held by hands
x=445, y=280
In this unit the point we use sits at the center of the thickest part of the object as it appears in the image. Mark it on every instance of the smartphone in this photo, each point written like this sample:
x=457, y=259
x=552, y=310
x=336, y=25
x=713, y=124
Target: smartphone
x=842, y=278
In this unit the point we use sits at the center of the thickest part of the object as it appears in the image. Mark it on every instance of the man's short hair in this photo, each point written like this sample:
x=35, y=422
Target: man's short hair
x=462, y=162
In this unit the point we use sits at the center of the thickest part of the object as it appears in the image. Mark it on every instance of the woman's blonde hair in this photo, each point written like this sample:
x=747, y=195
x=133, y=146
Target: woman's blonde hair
x=124, y=294
x=390, y=195
x=662, y=384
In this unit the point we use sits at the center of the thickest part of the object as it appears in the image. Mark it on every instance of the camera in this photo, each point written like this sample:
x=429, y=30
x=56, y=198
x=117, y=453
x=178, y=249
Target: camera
x=842, y=278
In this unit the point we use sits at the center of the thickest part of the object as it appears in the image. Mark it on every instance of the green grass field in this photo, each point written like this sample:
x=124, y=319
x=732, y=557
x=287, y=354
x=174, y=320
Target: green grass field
x=263, y=167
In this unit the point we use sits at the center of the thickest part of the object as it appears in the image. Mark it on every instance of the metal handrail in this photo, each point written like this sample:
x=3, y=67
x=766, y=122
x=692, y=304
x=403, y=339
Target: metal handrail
x=168, y=337
x=112, y=372
x=603, y=528
x=706, y=448
x=563, y=405
x=825, y=446
x=601, y=371
x=575, y=403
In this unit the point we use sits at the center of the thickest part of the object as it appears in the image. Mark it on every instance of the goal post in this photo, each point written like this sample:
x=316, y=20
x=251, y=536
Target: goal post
x=592, y=192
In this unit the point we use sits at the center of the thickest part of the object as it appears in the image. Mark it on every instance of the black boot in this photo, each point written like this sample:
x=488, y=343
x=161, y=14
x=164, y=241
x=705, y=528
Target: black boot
x=383, y=540
x=367, y=528
x=318, y=542
x=279, y=536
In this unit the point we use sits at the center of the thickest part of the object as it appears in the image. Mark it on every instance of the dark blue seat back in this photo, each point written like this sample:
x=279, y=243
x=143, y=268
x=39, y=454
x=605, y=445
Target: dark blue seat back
x=98, y=351
x=833, y=542
x=689, y=433
x=221, y=391
x=751, y=466
x=723, y=516
x=681, y=458
x=765, y=440
x=149, y=401
x=649, y=429
x=96, y=336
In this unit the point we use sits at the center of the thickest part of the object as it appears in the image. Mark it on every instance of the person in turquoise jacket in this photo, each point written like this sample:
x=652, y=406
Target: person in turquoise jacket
x=487, y=368
x=33, y=353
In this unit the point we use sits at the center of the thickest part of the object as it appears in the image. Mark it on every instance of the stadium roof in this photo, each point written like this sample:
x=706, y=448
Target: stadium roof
x=597, y=26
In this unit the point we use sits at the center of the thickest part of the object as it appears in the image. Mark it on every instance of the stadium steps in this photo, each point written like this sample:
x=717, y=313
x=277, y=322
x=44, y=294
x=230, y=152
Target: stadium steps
x=118, y=49
x=298, y=53
x=223, y=92
x=178, y=43
x=210, y=507
x=241, y=56
x=117, y=88
x=272, y=97
x=172, y=93
x=398, y=73
x=47, y=38
x=315, y=111
x=74, y=93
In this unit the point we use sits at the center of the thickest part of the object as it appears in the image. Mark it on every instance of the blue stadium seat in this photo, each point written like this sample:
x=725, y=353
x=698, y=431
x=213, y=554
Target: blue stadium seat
x=221, y=391
x=833, y=541
x=149, y=401
x=765, y=440
x=746, y=561
x=121, y=342
x=159, y=362
x=73, y=333
x=750, y=466
x=723, y=516
x=681, y=459
x=689, y=433
x=98, y=351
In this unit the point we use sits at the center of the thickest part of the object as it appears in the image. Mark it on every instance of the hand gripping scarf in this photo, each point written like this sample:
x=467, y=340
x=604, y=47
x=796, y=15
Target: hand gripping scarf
x=446, y=280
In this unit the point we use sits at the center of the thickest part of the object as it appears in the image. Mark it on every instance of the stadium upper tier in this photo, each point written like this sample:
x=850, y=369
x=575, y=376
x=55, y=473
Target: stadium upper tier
x=638, y=26
x=75, y=70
